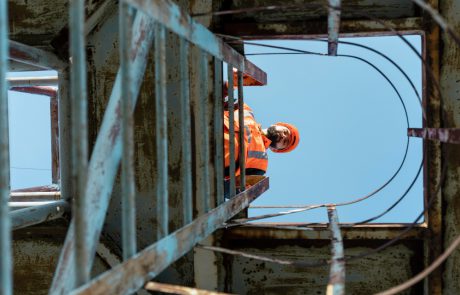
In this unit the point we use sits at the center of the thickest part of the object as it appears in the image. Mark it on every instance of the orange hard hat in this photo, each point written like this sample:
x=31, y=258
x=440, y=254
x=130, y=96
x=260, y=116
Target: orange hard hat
x=294, y=140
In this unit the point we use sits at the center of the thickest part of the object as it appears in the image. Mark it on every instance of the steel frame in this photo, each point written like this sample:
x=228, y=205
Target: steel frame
x=107, y=152
x=92, y=182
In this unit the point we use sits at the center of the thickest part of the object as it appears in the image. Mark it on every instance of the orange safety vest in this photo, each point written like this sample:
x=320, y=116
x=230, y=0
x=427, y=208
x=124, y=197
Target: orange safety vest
x=256, y=143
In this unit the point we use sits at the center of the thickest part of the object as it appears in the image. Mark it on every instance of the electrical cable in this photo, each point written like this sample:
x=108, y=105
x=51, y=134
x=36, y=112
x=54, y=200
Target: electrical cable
x=377, y=190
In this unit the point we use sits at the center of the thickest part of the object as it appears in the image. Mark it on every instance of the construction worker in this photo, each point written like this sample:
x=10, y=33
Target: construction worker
x=279, y=138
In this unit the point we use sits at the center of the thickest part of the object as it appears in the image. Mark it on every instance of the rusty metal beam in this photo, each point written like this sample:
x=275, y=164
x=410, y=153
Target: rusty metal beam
x=105, y=159
x=34, y=196
x=320, y=232
x=133, y=273
x=38, y=214
x=79, y=137
x=32, y=81
x=128, y=190
x=318, y=29
x=161, y=125
x=34, y=56
x=333, y=25
x=218, y=126
x=448, y=135
x=183, y=25
x=174, y=289
x=336, y=285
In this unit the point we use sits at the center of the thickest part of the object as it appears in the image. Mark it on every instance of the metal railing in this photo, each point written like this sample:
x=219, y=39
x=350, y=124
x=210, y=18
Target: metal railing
x=91, y=182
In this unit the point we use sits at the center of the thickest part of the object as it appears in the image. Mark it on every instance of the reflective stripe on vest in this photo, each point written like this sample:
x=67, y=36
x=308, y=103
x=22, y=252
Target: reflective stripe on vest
x=257, y=155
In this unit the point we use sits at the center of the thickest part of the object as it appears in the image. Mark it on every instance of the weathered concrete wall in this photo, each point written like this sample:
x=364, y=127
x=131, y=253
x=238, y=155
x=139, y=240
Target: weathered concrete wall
x=450, y=86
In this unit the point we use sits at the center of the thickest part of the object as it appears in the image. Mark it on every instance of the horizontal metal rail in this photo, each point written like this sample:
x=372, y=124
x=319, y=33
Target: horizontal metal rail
x=336, y=285
x=34, y=196
x=133, y=273
x=174, y=289
x=38, y=214
x=447, y=135
x=170, y=15
x=333, y=26
x=34, y=56
x=32, y=81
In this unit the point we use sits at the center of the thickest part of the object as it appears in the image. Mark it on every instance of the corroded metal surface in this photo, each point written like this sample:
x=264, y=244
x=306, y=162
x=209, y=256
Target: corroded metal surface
x=247, y=276
x=433, y=154
x=314, y=9
x=318, y=29
x=320, y=232
x=34, y=56
x=449, y=79
x=448, y=135
x=336, y=285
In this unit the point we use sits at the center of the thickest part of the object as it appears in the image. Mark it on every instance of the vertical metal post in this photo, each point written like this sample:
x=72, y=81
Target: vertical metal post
x=231, y=119
x=336, y=285
x=161, y=132
x=333, y=25
x=65, y=140
x=6, y=284
x=79, y=135
x=242, y=149
x=203, y=160
x=54, y=111
x=218, y=131
x=127, y=125
x=186, y=136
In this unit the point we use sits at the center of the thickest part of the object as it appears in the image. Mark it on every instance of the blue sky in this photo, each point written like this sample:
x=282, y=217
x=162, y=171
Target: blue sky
x=30, y=136
x=352, y=126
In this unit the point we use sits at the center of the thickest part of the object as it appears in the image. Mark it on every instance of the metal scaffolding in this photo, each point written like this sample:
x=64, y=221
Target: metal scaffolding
x=90, y=179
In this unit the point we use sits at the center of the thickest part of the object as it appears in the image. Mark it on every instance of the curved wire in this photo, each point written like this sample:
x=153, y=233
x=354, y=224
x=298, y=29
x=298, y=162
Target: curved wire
x=407, y=126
